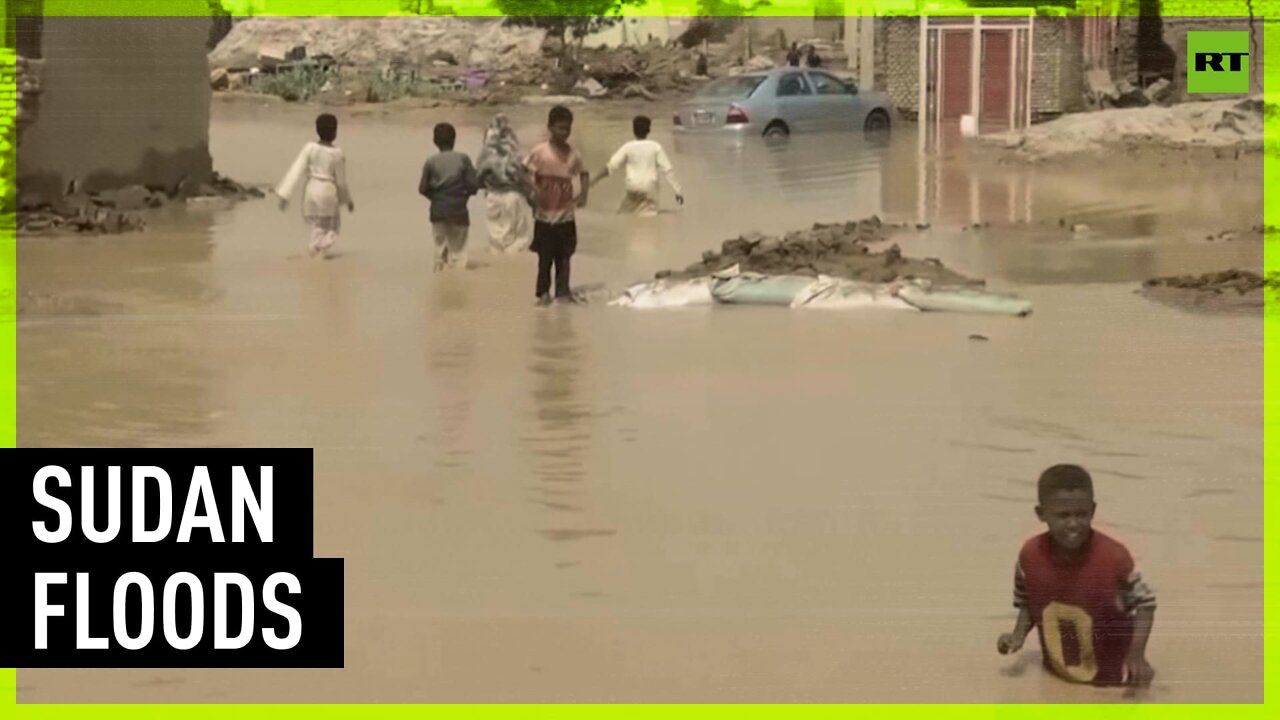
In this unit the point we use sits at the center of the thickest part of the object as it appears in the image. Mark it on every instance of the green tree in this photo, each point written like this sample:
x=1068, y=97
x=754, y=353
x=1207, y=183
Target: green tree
x=565, y=18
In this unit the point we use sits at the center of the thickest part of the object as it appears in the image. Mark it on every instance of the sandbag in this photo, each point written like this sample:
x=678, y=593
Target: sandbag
x=963, y=300
x=839, y=294
x=667, y=294
x=753, y=289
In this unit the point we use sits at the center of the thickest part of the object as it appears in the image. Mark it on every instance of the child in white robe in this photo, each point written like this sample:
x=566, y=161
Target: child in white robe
x=323, y=167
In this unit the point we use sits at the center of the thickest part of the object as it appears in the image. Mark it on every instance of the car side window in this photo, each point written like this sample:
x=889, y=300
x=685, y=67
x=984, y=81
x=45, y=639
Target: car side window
x=792, y=84
x=829, y=85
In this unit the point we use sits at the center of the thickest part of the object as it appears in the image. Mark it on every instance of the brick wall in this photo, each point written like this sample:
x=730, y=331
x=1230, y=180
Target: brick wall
x=897, y=61
x=1057, y=72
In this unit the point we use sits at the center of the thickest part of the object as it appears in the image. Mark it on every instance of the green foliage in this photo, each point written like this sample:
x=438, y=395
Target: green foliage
x=565, y=18
x=298, y=83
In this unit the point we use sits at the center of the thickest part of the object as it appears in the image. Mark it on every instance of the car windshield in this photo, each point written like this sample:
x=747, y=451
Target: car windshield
x=734, y=87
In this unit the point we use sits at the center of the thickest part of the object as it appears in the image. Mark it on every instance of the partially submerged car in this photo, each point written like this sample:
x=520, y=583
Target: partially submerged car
x=776, y=103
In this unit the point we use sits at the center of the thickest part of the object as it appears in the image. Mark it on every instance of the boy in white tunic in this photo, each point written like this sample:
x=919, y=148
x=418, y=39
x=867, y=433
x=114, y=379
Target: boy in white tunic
x=643, y=159
x=322, y=168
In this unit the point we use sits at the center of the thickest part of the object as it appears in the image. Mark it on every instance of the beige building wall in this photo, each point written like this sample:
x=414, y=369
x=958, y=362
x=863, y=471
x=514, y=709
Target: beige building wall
x=123, y=101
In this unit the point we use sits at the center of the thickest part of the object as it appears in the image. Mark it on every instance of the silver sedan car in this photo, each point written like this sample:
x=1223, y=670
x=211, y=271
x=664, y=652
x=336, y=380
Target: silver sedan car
x=776, y=103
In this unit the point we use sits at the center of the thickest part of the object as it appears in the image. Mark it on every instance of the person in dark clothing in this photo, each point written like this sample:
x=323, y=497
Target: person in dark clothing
x=793, y=55
x=449, y=181
x=812, y=58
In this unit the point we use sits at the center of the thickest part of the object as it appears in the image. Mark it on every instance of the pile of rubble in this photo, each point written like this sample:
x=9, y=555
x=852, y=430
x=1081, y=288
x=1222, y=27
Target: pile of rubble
x=379, y=59
x=1225, y=291
x=1222, y=124
x=837, y=250
x=334, y=52
x=121, y=210
x=1103, y=93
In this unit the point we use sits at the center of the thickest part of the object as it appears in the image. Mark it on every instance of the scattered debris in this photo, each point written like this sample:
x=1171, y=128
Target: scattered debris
x=1158, y=91
x=590, y=87
x=1220, y=292
x=220, y=79
x=119, y=210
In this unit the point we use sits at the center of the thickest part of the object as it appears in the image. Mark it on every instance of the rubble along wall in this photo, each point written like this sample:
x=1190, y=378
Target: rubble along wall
x=122, y=101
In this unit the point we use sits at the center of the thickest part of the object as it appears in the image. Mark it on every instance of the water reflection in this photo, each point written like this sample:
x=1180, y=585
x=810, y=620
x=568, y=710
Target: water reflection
x=451, y=359
x=560, y=435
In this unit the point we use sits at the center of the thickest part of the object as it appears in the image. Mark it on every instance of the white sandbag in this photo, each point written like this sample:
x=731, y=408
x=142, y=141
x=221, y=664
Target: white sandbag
x=667, y=294
x=829, y=293
x=964, y=300
x=756, y=289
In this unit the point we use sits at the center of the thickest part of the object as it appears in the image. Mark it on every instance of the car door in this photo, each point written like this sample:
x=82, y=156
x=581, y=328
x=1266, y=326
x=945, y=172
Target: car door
x=838, y=106
x=797, y=105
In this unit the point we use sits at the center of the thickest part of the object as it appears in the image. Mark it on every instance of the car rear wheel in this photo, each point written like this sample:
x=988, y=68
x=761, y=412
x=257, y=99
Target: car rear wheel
x=876, y=124
x=777, y=130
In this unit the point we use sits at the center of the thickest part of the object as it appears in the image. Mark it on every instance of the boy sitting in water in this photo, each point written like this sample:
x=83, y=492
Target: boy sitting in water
x=449, y=181
x=643, y=160
x=1081, y=589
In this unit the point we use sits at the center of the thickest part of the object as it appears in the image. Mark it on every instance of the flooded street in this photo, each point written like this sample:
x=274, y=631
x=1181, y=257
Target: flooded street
x=587, y=504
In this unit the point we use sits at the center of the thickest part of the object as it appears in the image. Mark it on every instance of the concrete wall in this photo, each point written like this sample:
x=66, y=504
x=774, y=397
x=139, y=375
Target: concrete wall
x=123, y=101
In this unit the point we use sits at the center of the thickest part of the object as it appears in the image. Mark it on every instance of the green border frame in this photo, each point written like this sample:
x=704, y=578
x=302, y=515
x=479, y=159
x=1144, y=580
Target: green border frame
x=1261, y=9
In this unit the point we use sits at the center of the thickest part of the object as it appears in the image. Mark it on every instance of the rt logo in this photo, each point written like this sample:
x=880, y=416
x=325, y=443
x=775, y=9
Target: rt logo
x=1218, y=62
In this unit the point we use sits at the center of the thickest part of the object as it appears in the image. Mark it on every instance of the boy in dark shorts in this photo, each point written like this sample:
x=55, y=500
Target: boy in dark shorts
x=1082, y=590
x=553, y=166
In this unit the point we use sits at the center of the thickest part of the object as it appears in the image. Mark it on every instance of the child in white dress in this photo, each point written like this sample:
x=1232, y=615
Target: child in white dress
x=323, y=167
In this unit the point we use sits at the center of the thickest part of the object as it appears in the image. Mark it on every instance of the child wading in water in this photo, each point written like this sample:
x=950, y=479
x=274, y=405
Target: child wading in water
x=449, y=181
x=643, y=160
x=324, y=169
x=1082, y=590
x=553, y=166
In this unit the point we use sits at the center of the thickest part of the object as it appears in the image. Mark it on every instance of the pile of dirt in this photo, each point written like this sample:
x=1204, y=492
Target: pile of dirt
x=1225, y=291
x=112, y=212
x=1218, y=124
x=837, y=250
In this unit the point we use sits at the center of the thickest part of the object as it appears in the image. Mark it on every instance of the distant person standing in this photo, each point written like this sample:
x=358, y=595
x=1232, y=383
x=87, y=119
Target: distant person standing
x=553, y=166
x=448, y=181
x=812, y=59
x=700, y=69
x=504, y=179
x=793, y=55
x=322, y=168
x=642, y=160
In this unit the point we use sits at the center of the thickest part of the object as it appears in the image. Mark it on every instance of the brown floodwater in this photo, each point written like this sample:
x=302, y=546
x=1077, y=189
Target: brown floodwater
x=720, y=505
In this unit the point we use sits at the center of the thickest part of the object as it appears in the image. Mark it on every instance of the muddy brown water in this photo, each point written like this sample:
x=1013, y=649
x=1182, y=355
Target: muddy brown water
x=591, y=504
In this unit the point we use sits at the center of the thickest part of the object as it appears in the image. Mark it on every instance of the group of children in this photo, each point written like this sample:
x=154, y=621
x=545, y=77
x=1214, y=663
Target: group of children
x=1077, y=586
x=551, y=180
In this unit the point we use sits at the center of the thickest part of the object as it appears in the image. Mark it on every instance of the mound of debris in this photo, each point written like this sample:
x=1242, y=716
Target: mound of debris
x=120, y=210
x=643, y=71
x=1224, y=291
x=836, y=250
x=1217, y=124
x=380, y=41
